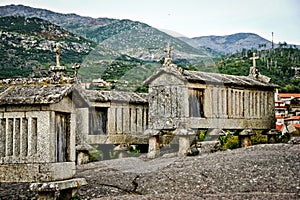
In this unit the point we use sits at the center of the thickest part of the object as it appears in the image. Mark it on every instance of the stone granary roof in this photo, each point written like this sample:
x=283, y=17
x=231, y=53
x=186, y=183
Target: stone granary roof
x=211, y=78
x=116, y=96
x=34, y=91
x=225, y=79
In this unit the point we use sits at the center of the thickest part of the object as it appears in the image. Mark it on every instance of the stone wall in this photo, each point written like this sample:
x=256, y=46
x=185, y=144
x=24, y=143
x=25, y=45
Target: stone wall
x=224, y=102
x=234, y=108
x=28, y=143
x=126, y=123
x=23, y=138
x=168, y=102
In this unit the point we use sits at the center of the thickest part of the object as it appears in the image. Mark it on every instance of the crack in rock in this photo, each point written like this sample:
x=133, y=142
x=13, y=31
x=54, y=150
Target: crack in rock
x=132, y=191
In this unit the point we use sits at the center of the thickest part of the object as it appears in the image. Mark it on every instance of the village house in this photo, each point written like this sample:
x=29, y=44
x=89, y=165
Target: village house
x=292, y=100
x=287, y=112
x=182, y=101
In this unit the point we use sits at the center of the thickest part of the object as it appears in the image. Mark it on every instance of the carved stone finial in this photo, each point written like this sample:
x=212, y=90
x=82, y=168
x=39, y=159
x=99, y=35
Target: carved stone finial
x=254, y=58
x=76, y=67
x=58, y=69
x=168, y=49
x=58, y=53
x=253, y=70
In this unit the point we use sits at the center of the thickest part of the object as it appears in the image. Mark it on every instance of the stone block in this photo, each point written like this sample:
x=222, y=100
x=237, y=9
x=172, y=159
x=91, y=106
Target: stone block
x=153, y=147
x=117, y=139
x=57, y=185
x=22, y=108
x=36, y=172
x=97, y=139
x=183, y=131
x=184, y=145
x=65, y=105
x=82, y=125
x=65, y=189
x=151, y=132
x=208, y=146
x=19, y=172
x=136, y=139
x=58, y=171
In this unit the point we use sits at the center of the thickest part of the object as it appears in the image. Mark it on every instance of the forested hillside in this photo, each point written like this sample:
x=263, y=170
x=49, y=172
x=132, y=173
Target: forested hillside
x=279, y=64
x=125, y=52
x=132, y=38
x=27, y=44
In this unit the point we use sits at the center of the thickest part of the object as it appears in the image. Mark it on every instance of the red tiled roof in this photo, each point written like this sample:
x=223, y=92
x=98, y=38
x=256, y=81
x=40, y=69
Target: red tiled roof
x=296, y=125
x=289, y=95
x=292, y=118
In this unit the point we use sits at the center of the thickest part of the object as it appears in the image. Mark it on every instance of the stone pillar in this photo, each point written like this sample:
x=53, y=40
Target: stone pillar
x=244, y=137
x=184, y=145
x=83, y=154
x=153, y=146
x=184, y=140
x=272, y=135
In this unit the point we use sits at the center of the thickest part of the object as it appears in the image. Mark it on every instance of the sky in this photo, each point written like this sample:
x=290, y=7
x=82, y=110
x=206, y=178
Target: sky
x=192, y=18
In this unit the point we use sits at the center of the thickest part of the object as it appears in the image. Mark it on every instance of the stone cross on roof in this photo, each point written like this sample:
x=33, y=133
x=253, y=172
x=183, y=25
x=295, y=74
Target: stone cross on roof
x=58, y=53
x=254, y=58
x=58, y=69
x=253, y=70
x=168, y=49
x=76, y=67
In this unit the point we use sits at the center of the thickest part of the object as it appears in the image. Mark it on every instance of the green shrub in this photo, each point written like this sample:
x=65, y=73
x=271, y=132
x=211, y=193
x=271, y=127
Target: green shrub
x=259, y=138
x=229, y=141
x=202, y=135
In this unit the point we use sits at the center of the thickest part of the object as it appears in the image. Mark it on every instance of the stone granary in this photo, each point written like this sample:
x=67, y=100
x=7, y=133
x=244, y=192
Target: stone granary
x=114, y=118
x=37, y=129
x=182, y=101
x=37, y=132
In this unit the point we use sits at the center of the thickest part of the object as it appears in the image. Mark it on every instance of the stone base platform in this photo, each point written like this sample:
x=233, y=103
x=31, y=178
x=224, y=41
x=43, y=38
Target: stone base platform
x=65, y=189
x=36, y=172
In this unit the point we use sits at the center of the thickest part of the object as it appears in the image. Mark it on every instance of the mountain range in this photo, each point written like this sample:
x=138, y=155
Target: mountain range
x=138, y=39
x=128, y=37
x=109, y=47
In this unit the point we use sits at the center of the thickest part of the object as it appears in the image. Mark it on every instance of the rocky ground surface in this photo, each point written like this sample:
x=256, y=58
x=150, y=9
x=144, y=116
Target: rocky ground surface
x=257, y=172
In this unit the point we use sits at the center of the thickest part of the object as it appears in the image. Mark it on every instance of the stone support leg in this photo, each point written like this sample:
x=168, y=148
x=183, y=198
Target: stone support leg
x=64, y=189
x=47, y=196
x=273, y=135
x=272, y=139
x=122, y=154
x=153, y=146
x=244, y=140
x=245, y=137
x=184, y=145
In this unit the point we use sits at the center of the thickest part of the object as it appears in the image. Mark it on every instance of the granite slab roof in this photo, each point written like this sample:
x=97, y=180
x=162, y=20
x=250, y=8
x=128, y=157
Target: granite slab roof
x=212, y=78
x=37, y=94
x=225, y=79
x=34, y=90
x=117, y=96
